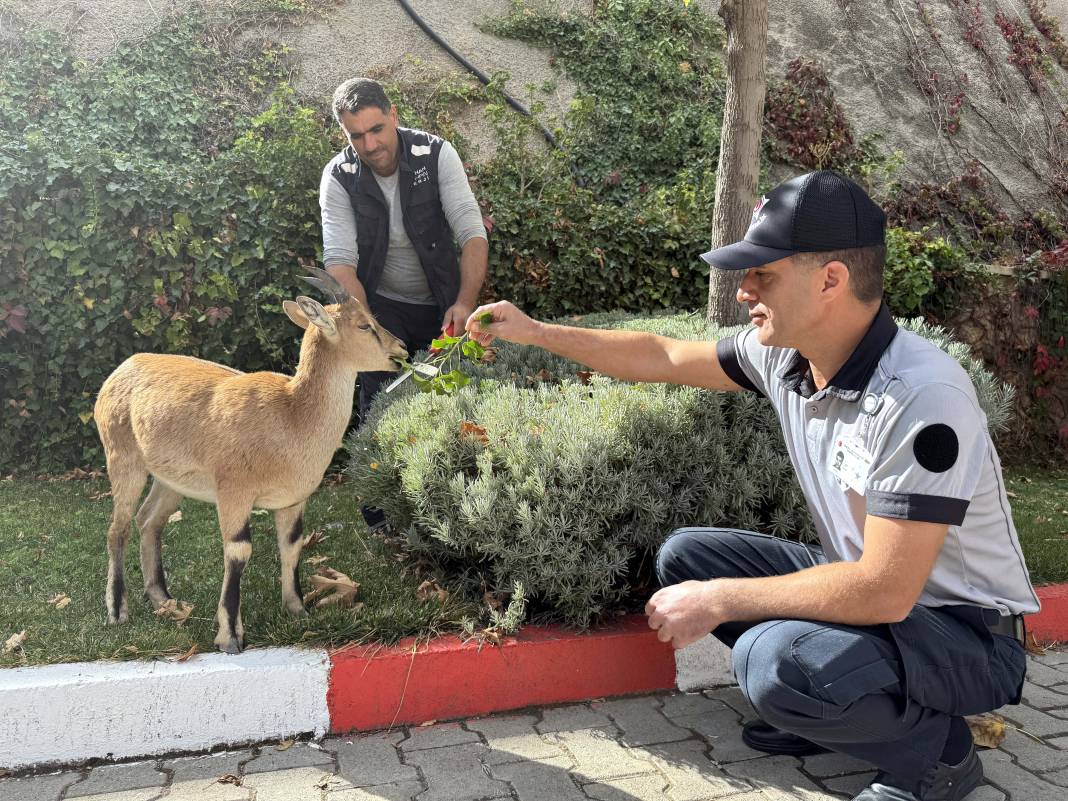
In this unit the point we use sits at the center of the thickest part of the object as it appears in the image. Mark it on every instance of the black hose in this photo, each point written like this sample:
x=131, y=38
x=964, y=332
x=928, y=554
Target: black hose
x=467, y=65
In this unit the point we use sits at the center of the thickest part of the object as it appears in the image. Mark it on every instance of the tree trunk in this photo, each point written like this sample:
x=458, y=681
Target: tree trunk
x=746, y=22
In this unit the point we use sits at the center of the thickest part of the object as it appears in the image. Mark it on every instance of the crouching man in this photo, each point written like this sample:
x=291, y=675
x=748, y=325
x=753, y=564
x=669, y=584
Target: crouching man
x=908, y=614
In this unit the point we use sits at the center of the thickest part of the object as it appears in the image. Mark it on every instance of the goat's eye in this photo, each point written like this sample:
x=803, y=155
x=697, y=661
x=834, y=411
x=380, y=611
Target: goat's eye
x=364, y=327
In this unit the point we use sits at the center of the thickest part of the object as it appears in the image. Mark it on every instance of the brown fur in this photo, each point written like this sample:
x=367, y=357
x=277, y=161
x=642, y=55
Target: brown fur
x=239, y=440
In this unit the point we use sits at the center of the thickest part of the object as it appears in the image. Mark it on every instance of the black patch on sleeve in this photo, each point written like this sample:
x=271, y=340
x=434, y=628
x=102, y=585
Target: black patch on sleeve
x=727, y=353
x=936, y=448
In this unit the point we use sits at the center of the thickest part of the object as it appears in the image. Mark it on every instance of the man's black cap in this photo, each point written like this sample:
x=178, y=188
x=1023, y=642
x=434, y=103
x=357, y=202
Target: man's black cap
x=812, y=213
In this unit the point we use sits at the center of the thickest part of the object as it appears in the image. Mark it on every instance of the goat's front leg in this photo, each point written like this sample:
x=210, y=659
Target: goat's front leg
x=234, y=513
x=289, y=524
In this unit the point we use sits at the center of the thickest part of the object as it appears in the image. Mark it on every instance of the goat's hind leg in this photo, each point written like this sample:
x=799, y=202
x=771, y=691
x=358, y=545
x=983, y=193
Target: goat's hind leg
x=234, y=513
x=289, y=525
x=127, y=480
x=161, y=503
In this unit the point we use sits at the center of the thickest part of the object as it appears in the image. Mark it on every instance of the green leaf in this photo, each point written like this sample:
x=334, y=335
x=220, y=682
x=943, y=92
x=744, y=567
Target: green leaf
x=472, y=350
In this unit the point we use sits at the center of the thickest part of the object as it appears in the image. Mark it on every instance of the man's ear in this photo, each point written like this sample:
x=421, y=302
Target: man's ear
x=835, y=279
x=294, y=313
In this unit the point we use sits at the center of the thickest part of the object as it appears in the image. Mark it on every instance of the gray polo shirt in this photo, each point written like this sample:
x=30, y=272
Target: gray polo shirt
x=897, y=433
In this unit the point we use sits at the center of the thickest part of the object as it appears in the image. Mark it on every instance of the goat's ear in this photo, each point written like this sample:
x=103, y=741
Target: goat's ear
x=318, y=316
x=294, y=313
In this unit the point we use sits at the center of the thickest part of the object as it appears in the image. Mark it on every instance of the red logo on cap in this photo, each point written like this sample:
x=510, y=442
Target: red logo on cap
x=757, y=209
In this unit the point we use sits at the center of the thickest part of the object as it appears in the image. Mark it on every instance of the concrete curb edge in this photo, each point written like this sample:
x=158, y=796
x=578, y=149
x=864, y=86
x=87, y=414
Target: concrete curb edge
x=68, y=714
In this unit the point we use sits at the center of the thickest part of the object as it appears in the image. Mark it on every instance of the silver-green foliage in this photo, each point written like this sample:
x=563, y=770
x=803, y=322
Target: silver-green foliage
x=572, y=486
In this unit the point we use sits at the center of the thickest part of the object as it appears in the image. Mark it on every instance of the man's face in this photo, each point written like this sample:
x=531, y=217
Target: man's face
x=373, y=134
x=783, y=302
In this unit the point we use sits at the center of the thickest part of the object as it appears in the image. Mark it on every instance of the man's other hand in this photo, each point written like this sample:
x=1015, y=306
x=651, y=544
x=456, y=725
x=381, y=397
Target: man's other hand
x=455, y=317
x=508, y=323
x=683, y=613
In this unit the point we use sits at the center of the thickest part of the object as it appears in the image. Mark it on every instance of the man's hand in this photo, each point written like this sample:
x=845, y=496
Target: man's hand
x=684, y=613
x=508, y=323
x=455, y=317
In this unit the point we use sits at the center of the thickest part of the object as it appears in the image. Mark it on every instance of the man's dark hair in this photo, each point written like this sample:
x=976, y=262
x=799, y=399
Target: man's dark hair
x=357, y=94
x=865, y=268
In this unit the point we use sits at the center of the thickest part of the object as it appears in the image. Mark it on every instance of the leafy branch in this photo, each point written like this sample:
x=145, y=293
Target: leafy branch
x=451, y=351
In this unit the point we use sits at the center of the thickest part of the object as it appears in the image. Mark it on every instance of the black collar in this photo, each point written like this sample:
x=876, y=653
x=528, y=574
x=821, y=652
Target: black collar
x=849, y=382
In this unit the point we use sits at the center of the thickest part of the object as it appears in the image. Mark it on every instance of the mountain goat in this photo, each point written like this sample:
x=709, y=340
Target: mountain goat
x=238, y=440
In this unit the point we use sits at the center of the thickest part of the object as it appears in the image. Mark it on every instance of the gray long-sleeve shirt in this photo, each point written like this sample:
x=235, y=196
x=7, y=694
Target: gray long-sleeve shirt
x=403, y=278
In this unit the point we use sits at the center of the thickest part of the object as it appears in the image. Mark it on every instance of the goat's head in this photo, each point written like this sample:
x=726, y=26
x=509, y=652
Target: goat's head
x=346, y=326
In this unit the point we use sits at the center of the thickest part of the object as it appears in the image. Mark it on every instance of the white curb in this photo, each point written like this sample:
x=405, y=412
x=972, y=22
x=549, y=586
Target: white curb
x=64, y=714
x=706, y=663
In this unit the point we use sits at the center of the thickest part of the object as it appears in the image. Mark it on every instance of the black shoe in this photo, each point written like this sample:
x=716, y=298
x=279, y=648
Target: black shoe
x=374, y=517
x=761, y=736
x=941, y=783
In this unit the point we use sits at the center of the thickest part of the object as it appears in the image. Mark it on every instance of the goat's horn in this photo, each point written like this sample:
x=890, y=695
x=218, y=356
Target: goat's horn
x=324, y=282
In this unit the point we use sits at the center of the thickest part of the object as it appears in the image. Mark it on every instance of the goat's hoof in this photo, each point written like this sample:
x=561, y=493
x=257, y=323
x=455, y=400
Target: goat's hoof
x=157, y=596
x=298, y=611
x=118, y=621
x=231, y=646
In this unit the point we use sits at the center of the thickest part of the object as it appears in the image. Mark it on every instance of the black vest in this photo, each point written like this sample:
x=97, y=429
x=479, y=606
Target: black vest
x=424, y=218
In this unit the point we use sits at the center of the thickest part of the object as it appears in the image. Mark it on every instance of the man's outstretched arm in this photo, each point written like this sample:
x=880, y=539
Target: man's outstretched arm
x=627, y=355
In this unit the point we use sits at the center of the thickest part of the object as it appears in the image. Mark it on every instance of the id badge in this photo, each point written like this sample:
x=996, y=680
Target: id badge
x=850, y=464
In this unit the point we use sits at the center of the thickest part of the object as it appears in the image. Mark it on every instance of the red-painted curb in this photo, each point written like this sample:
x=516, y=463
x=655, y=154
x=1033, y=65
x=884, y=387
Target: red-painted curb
x=374, y=687
x=1052, y=622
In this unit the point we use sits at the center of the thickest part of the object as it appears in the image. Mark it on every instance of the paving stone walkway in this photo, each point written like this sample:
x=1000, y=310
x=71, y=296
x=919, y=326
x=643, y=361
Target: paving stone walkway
x=668, y=746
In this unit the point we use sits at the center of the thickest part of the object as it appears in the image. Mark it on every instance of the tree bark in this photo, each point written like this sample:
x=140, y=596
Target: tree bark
x=746, y=22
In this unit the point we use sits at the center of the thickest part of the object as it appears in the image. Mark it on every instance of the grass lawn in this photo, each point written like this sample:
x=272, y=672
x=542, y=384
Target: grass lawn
x=52, y=536
x=1039, y=498
x=52, y=541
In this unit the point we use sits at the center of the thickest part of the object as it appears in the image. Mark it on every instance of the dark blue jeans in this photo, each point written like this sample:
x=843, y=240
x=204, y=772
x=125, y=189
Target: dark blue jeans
x=885, y=694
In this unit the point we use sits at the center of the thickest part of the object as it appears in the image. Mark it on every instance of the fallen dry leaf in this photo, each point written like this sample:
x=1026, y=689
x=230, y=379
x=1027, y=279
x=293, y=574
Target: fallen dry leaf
x=343, y=589
x=427, y=723
x=175, y=517
x=1032, y=645
x=178, y=611
x=229, y=778
x=185, y=656
x=327, y=780
x=543, y=375
x=315, y=560
x=313, y=539
x=492, y=601
x=59, y=600
x=99, y=496
x=584, y=376
x=126, y=649
x=988, y=729
x=474, y=431
x=431, y=588
x=284, y=745
x=1011, y=494
x=489, y=356
x=14, y=642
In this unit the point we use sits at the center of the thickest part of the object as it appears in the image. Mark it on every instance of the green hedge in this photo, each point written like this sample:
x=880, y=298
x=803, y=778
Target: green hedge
x=567, y=488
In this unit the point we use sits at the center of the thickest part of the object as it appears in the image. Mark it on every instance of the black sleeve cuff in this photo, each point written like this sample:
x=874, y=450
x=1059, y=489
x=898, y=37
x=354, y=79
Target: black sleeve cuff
x=924, y=508
x=727, y=353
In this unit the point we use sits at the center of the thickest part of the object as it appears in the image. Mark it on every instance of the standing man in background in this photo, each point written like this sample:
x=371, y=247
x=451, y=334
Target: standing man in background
x=393, y=202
